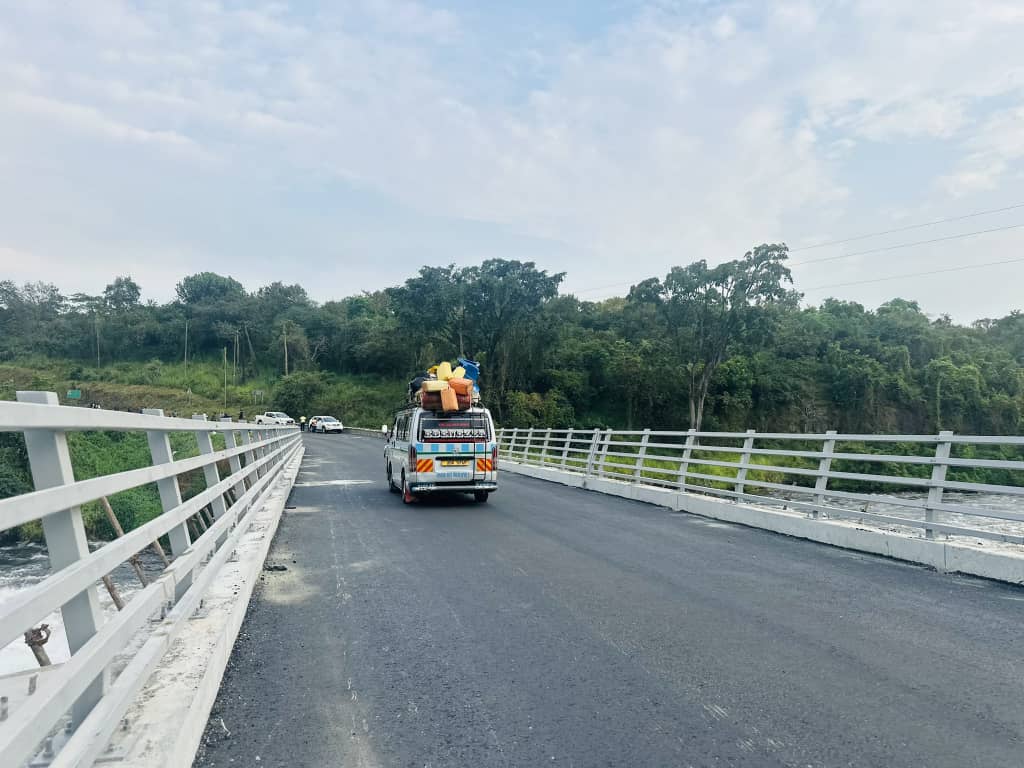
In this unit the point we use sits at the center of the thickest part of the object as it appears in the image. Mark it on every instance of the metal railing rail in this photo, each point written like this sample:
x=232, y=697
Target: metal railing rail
x=687, y=460
x=255, y=456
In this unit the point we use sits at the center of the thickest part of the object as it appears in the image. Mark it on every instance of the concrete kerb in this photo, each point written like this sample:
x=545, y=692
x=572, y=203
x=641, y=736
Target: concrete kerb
x=168, y=719
x=940, y=555
x=363, y=432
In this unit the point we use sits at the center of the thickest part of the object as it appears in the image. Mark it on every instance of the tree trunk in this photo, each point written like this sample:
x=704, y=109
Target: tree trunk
x=700, y=410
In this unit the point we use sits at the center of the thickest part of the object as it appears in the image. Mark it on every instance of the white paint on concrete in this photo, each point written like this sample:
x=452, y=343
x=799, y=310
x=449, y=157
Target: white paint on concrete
x=941, y=555
x=167, y=720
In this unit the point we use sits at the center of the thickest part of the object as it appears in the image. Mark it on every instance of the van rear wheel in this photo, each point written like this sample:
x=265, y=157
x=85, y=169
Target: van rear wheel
x=480, y=496
x=407, y=497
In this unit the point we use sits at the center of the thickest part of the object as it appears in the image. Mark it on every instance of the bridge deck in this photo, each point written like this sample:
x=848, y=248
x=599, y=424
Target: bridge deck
x=558, y=627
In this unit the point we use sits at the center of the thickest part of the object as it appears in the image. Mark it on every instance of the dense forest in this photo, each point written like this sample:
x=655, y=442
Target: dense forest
x=723, y=347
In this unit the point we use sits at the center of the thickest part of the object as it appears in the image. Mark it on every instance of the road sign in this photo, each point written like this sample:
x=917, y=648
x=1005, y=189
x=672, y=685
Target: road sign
x=74, y=394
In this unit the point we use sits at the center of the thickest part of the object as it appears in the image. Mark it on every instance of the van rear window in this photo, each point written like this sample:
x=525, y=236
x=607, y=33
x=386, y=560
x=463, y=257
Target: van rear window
x=471, y=426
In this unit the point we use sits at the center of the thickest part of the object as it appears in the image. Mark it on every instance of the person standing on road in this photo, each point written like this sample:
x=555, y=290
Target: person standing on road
x=302, y=423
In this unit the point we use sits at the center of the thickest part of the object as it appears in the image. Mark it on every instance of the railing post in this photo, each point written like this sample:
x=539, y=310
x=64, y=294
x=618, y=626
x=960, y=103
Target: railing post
x=512, y=443
x=824, y=465
x=50, y=463
x=250, y=455
x=234, y=461
x=526, y=448
x=565, y=447
x=270, y=434
x=544, y=448
x=259, y=435
x=938, y=478
x=595, y=439
x=641, y=455
x=170, y=495
x=741, y=473
x=684, y=465
x=210, y=472
x=604, y=452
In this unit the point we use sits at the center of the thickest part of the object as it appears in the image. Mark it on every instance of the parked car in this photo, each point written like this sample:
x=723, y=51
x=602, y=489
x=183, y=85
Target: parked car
x=274, y=417
x=325, y=424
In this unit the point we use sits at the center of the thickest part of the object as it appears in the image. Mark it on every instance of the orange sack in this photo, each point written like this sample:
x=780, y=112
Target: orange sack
x=449, y=400
x=461, y=386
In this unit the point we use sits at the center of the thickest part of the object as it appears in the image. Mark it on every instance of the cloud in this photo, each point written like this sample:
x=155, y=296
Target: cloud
x=660, y=134
x=78, y=117
x=724, y=27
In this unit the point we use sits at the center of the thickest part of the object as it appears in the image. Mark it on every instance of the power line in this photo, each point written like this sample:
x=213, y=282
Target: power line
x=907, y=245
x=882, y=249
x=917, y=274
x=908, y=228
x=605, y=287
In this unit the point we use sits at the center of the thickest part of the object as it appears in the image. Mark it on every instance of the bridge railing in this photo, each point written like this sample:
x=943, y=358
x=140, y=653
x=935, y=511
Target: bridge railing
x=201, y=532
x=824, y=474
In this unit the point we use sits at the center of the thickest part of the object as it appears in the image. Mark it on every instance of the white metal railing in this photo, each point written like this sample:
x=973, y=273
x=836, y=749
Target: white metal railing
x=202, y=533
x=798, y=470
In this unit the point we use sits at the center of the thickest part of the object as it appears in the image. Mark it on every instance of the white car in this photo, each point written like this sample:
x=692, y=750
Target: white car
x=275, y=417
x=327, y=424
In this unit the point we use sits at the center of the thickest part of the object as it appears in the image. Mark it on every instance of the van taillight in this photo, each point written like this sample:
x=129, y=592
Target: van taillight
x=494, y=456
x=412, y=454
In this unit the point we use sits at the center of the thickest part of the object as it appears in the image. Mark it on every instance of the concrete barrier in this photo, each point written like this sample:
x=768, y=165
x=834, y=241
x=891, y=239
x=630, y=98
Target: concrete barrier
x=363, y=432
x=946, y=556
x=165, y=725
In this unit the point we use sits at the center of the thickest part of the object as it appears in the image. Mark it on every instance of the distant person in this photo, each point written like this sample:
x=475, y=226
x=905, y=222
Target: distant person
x=302, y=423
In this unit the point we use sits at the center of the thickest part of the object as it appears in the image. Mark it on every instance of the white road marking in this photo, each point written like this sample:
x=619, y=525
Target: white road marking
x=318, y=483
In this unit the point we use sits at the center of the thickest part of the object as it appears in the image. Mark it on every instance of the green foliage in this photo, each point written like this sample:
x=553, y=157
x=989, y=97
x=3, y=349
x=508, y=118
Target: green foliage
x=299, y=393
x=725, y=346
x=530, y=409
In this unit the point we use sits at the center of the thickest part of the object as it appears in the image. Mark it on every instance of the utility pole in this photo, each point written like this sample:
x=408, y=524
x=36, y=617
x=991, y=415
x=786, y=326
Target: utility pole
x=234, y=369
x=186, y=351
x=225, y=379
x=96, y=327
x=285, y=347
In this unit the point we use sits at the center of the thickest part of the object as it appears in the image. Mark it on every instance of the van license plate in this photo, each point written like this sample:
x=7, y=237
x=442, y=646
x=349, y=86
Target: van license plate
x=454, y=462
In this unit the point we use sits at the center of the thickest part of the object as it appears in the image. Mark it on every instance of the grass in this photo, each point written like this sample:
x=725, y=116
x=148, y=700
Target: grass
x=134, y=386
x=95, y=454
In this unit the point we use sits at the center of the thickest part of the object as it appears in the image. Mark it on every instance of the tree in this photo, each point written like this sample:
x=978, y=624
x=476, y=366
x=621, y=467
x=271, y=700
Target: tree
x=707, y=309
x=208, y=287
x=214, y=306
x=122, y=294
x=297, y=394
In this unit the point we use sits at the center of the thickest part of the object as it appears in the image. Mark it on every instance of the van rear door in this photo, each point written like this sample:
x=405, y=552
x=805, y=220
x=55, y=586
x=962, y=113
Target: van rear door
x=455, y=442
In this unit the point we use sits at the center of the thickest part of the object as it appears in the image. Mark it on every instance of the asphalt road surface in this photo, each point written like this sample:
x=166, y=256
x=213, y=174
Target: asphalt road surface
x=556, y=627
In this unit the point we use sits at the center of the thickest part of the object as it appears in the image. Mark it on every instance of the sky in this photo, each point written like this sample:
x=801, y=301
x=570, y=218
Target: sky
x=342, y=145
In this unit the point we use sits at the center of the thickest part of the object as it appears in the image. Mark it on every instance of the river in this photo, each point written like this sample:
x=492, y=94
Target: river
x=25, y=564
